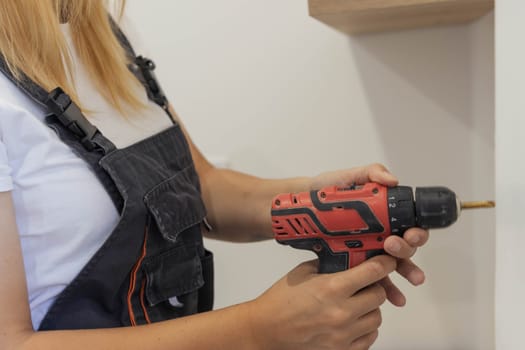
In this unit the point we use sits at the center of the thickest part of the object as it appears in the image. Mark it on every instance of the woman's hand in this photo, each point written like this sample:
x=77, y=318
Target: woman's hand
x=308, y=311
x=401, y=248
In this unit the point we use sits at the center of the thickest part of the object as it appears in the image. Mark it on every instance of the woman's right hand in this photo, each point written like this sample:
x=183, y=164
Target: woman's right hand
x=306, y=310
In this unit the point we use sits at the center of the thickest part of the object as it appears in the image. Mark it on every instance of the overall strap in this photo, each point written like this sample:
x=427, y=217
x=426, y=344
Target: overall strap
x=143, y=68
x=71, y=125
x=63, y=109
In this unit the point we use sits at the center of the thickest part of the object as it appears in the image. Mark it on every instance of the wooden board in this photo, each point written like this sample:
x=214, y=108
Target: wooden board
x=365, y=16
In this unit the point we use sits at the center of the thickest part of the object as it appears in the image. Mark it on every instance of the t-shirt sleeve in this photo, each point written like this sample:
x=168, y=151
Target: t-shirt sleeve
x=6, y=182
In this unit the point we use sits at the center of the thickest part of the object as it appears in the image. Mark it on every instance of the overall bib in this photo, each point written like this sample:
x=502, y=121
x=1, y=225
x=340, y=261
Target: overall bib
x=153, y=266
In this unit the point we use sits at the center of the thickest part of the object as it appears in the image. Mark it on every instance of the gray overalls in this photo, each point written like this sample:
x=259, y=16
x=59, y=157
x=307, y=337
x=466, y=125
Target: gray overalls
x=156, y=251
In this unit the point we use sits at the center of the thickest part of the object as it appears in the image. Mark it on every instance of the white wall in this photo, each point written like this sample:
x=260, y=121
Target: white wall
x=510, y=167
x=277, y=94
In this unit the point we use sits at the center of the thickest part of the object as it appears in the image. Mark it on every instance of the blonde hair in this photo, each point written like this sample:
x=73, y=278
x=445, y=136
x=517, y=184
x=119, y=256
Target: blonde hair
x=32, y=43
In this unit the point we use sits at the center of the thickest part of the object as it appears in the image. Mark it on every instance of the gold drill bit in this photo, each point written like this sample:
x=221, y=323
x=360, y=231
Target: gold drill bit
x=478, y=204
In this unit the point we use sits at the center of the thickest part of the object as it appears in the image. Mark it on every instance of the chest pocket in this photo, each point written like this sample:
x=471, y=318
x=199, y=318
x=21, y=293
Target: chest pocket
x=180, y=270
x=176, y=203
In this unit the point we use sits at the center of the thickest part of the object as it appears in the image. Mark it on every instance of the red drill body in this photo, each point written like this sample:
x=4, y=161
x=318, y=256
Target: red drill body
x=347, y=222
x=345, y=226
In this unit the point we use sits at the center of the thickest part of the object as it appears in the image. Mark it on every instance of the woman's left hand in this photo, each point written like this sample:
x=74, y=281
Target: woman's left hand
x=402, y=248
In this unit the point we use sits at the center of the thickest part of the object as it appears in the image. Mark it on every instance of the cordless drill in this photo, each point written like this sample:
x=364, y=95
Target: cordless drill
x=345, y=226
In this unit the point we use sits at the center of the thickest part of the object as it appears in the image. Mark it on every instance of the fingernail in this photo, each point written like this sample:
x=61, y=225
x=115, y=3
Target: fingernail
x=395, y=247
x=415, y=240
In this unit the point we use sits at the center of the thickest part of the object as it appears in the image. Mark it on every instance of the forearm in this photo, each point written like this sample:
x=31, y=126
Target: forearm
x=239, y=205
x=222, y=329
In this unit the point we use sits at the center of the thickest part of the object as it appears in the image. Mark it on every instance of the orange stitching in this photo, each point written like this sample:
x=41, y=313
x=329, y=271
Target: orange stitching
x=133, y=277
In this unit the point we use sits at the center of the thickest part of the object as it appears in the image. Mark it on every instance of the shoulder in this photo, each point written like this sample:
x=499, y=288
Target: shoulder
x=14, y=100
x=20, y=116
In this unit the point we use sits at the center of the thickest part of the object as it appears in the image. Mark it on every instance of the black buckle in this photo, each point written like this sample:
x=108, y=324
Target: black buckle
x=71, y=117
x=153, y=88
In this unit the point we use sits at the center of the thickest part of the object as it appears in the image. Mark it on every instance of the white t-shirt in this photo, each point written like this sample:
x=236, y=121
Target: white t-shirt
x=63, y=213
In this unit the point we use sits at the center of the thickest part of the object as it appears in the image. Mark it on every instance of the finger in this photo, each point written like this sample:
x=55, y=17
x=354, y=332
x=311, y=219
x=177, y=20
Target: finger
x=364, y=274
x=365, y=342
x=373, y=173
x=416, y=236
x=411, y=272
x=398, y=247
x=366, y=300
x=380, y=174
x=393, y=294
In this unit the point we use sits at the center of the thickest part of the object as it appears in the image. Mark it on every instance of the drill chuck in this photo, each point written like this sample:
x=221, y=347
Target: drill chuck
x=433, y=207
x=436, y=207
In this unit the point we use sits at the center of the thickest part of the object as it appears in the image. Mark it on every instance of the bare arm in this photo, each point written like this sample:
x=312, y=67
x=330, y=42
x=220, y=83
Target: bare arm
x=239, y=204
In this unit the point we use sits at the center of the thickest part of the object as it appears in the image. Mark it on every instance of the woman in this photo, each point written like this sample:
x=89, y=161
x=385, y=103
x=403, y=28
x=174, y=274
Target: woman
x=104, y=199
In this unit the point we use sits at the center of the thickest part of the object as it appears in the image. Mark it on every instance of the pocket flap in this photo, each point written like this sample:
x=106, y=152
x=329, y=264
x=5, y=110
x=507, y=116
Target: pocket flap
x=176, y=203
x=172, y=274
